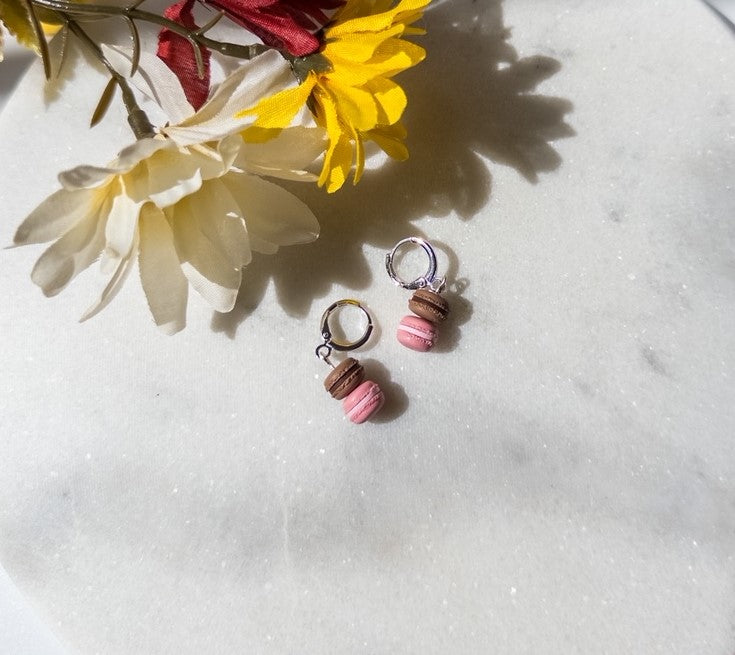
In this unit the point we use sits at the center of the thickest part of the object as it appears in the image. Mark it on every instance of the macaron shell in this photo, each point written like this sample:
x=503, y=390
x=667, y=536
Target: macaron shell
x=429, y=305
x=416, y=333
x=344, y=378
x=363, y=402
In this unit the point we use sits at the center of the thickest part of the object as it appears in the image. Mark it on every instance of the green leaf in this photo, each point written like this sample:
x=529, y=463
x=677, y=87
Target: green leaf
x=104, y=103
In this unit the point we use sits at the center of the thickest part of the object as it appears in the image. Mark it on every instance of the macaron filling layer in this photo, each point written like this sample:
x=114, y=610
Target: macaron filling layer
x=363, y=402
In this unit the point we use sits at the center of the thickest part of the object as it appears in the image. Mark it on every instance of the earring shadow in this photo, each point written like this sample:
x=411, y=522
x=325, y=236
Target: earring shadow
x=472, y=101
x=396, y=399
x=460, y=308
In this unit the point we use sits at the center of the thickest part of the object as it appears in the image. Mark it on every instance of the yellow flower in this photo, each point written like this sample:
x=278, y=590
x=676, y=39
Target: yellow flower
x=348, y=86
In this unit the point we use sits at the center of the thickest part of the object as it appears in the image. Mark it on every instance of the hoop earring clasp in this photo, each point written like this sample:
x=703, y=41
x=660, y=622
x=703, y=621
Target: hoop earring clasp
x=428, y=279
x=324, y=350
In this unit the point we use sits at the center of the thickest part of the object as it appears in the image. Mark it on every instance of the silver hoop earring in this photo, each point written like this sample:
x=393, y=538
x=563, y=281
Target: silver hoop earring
x=420, y=332
x=361, y=399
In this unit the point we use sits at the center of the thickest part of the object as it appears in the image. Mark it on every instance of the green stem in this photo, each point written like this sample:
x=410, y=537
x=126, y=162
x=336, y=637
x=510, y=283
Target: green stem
x=194, y=37
x=137, y=118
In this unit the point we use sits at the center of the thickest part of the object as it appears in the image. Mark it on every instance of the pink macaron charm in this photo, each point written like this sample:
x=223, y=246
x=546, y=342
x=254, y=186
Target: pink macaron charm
x=362, y=403
x=417, y=333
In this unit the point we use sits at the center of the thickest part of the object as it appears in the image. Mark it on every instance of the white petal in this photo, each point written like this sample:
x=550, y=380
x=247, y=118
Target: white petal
x=121, y=225
x=115, y=283
x=71, y=254
x=90, y=177
x=206, y=261
x=138, y=151
x=224, y=226
x=164, y=284
x=282, y=174
x=154, y=79
x=169, y=176
x=260, y=78
x=272, y=214
x=85, y=177
x=54, y=216
x=291, y=151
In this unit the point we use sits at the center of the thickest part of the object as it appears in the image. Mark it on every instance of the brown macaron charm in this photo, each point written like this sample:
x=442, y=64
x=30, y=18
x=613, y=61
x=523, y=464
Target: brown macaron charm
x=420, y=332
x=345, y=377
x=361, y=399
x=429, y=305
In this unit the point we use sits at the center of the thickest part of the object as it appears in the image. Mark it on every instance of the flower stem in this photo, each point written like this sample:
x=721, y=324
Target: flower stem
x=137, y=118
x=195, y=37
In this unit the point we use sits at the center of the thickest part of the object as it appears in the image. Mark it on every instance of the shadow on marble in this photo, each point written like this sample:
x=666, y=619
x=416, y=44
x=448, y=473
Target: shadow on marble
x=12, y=70
x=396, y=398
x=471, y=100
x=460, y=308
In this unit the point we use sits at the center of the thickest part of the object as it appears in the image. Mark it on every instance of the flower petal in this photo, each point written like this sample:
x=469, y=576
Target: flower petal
x=261, y=78
x=405, y=12
x=390, y=139
x=338, y=158
x=279, y=110
x=72, y=253
x=354, y=105
x=54, y=216
x=165, y=177
x=122, y=223
x=206, y=260
x=225, y=229
x=288, y=153
x=115, y=284
x=165, y=286
x=153, y=79
x=390, y=99
x=90, y=177
x=272, y=214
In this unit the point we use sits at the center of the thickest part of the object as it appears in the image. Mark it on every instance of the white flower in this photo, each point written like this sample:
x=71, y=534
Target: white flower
x=190, y=204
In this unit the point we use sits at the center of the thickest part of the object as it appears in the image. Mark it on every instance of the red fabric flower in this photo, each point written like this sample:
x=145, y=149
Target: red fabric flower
x=178, y=54
x=285, y=24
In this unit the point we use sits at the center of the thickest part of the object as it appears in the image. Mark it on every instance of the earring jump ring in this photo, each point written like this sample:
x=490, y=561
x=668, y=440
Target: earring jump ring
x=420, y=282
x=330, y=341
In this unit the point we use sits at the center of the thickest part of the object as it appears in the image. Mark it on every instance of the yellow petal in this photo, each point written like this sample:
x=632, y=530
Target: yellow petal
x=406, y=9
x=338, y=158
x=355, y=106
x=17, y=15
x=359, y=158
x=396, y=55
x=358, y=46
x=390, y=139
x=279, y=110
x=390, y=98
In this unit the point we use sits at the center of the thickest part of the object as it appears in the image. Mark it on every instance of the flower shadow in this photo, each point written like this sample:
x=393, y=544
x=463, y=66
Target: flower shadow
x=471, y=101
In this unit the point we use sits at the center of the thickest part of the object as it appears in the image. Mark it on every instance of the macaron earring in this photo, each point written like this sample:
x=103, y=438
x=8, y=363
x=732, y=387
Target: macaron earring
x=361, y=399
x=419, y=332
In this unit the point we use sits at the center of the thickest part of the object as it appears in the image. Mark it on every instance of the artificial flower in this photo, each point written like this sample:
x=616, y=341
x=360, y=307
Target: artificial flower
x=289, y=25
x=178, y=54
x=348, y=86
x=190, y=214
x=20, y=20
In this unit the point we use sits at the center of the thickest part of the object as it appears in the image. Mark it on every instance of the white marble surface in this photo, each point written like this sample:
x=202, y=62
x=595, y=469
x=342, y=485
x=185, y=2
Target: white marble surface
x=16, y=61
x=22, y=632
x=557, y=479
